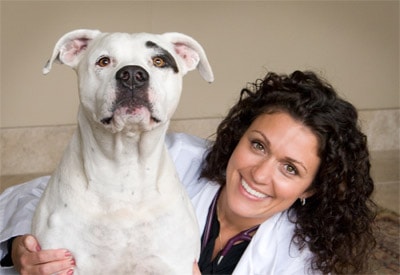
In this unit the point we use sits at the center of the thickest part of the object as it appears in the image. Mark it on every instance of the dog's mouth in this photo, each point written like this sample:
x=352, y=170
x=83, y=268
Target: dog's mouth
x=108, y=120
x=130, y=108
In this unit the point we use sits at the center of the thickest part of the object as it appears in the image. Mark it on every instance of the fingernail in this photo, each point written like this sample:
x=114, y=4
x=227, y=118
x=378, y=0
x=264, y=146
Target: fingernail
x=68, y=254
x=73, y=263
x=70, y=272
x=38, y=248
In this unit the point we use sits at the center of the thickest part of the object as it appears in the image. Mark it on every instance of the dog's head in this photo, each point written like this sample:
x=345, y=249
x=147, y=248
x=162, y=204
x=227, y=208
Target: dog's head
x=130, y=81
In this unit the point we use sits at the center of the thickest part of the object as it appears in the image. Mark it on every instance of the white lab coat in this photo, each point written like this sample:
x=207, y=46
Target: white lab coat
x=269, y=252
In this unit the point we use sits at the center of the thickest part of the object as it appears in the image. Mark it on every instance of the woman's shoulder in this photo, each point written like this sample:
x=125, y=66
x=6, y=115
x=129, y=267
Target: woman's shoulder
x=279, y=225
x=272, y=249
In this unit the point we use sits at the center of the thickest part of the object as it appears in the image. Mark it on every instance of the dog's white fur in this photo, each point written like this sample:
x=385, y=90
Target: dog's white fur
x=115, y=200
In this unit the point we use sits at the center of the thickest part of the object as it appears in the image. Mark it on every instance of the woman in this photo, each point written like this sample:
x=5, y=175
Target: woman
x=285, y=187
x=333, y=216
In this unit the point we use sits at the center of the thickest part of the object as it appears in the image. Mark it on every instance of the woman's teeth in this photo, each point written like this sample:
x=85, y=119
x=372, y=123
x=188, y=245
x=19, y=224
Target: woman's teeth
x=252, y=191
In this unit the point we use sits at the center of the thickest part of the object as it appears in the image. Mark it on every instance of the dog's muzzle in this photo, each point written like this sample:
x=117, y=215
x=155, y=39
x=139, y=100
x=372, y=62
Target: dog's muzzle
x=132, y=91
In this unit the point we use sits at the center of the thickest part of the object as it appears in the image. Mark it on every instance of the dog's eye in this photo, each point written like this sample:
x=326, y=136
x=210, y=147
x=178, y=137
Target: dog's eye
x=103, y=62
x=159, y=62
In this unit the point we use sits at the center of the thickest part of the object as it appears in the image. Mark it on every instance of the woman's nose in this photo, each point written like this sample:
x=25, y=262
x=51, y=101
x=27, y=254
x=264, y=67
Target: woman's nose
x=262, y=171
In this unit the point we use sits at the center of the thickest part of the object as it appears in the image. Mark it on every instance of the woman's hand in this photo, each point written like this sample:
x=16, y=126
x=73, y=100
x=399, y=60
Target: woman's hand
x=29, y=258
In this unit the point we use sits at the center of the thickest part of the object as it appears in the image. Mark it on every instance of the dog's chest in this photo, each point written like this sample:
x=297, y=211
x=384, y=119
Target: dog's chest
x=137, y=236
x=101, y=217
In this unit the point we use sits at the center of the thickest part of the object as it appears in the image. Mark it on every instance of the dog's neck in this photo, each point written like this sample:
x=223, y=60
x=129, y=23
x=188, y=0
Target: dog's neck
x=121, y=160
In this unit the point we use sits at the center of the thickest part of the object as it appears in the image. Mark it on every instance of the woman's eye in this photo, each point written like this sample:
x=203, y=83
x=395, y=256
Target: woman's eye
x=159, y=62
x=290, y=169
x=103, y=62
x=258, y=146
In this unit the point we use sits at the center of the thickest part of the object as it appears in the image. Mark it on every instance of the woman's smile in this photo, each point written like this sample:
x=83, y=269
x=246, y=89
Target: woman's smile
x=252, y=192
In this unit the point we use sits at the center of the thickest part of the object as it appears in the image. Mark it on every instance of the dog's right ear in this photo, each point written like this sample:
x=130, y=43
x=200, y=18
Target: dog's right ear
x=69, y=48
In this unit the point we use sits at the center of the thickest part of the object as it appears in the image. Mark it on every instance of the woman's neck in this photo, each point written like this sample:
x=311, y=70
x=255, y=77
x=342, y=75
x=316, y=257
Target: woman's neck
x=230, y=224
x=230, y=221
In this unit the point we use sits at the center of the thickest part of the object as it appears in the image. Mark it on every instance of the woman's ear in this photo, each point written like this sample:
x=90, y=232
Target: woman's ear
x=307, y=194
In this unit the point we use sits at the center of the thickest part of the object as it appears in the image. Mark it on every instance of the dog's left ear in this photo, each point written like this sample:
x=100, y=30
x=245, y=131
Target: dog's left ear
x=192, y=54
x=69, y=48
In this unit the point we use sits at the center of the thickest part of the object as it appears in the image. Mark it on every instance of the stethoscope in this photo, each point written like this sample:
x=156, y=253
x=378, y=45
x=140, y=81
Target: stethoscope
x=245, y=235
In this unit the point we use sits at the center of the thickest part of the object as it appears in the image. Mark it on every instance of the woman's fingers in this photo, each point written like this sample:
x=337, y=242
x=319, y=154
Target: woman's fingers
x=28, y=258
x=51, y=255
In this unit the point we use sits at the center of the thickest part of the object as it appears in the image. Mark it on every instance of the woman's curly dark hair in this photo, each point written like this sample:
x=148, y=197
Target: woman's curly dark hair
x=336, y=222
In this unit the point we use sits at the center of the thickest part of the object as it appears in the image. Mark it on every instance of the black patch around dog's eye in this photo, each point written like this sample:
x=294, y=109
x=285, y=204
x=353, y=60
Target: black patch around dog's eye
x=165, y=55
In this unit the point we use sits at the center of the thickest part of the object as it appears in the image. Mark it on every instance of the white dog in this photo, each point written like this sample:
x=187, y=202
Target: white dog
x=115, y=200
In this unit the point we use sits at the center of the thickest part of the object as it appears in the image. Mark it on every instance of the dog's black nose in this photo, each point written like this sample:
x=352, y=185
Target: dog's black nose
x=132, y=77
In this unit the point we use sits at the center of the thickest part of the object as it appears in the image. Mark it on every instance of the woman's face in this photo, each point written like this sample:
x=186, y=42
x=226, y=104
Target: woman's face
x=272, y=166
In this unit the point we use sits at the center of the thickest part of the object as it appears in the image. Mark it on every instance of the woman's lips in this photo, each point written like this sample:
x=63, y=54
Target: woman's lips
x=251, y=191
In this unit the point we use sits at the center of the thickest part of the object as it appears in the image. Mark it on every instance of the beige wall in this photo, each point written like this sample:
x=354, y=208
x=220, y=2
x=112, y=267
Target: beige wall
x=354, y=44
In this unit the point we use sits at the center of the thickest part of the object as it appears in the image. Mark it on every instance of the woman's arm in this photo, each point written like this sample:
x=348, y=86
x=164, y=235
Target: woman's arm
x=17, y=205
